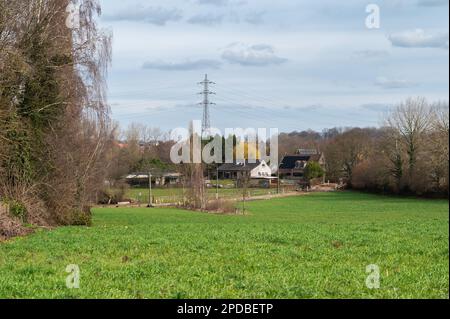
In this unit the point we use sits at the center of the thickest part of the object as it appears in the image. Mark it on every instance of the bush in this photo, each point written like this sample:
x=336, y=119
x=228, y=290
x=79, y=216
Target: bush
x=9, y=225
x=80, y=217
x=17, y=209
x=112, y=196
x=313, y=170
x=373, y=176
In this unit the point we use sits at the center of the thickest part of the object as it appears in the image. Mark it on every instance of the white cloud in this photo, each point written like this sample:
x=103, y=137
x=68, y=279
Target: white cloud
x=387, y=83
x=377, y=107
x=221, y=3
x=419, y=39
x=153, y=15
x=255, y=17
x=187, y=65
x=251, y=55
x=207, y=19
x=323, y=41
x=371, y=54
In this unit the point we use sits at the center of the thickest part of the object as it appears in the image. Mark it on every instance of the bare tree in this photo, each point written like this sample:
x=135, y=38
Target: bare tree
x=411, y=120
x=438, y=145
x=346, y=151
x=390, y=147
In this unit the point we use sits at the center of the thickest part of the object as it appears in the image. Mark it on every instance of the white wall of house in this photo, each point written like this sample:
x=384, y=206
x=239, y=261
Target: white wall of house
x=262, y=171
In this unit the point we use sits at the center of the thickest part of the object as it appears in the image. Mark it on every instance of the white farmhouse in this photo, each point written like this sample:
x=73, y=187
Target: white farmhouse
x=258, y=170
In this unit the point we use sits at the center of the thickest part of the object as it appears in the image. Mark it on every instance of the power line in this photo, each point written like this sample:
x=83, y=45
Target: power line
x=276, y=110
x=344, y=116
x=247, y=104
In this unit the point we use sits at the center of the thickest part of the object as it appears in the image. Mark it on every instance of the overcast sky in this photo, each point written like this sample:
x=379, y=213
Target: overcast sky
x=289, y=64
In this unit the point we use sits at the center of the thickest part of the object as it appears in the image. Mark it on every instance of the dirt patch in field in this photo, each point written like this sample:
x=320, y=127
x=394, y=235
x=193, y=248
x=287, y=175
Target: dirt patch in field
x=274, y=196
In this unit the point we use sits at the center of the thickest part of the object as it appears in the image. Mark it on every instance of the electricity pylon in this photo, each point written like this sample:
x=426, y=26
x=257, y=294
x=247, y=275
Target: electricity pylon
x=206, y=123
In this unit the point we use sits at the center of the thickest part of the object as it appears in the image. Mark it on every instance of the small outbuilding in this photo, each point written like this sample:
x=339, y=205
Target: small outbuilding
x=161, y=179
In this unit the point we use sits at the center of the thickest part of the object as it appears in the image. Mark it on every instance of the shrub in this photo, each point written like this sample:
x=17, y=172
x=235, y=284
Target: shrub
x=9, y=225
x=112, y=196
x=80, y=217
x=373, y=176
x=17, y=209
x=313, y=170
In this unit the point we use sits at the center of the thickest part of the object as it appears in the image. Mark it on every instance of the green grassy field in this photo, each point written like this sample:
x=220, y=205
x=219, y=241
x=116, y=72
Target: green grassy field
x=314, y=246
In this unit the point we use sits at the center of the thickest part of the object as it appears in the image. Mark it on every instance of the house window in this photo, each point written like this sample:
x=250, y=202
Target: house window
x=299, y=164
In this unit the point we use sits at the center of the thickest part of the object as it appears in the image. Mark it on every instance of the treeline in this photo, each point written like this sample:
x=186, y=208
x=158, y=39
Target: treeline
x=409, y=154
x=138, y=148
x=54, y=122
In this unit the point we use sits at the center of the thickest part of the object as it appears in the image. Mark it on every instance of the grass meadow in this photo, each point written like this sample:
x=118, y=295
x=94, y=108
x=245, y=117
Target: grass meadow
x=313, y=246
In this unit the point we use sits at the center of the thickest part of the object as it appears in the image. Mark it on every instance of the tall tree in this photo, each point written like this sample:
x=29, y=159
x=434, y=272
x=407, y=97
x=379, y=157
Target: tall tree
x=411, y=119
x=53, y=113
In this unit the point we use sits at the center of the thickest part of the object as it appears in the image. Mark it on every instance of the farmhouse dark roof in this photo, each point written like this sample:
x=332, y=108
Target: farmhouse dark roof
x=239, y=167
x=289, y=161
